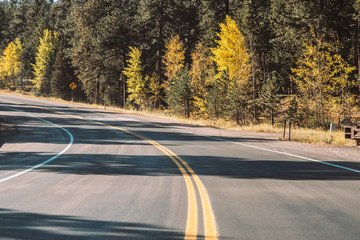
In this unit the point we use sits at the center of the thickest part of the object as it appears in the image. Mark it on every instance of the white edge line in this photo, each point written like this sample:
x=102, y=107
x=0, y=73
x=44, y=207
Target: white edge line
x=47, y=161
x=242, y=144
x=287, y=154
x=268, y=150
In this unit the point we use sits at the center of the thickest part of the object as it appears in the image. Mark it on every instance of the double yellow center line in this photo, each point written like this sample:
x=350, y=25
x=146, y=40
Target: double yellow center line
x=191, y=231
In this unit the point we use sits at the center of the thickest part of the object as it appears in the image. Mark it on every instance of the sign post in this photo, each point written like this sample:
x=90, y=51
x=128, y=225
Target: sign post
x=353, y=133
x=72, y=86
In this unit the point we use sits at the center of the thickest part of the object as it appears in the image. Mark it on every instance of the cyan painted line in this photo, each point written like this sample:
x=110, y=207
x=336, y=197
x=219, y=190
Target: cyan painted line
x=47, y=161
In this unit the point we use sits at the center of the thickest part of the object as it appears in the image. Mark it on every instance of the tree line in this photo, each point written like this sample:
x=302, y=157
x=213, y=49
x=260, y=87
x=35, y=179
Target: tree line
x=241, y=60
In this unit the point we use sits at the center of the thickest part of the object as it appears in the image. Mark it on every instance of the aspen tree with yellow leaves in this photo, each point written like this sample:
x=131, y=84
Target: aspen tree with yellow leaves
x=202, y=74
x=10, y=63
x=177, y=87
x=233, y=62
x=136, y=83
x=44, y=61
x=323, y=80
x=173, y=59
x=155, y=89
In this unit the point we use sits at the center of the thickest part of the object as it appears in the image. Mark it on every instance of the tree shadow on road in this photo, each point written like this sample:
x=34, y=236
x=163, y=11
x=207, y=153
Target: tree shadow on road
x=149, y=128
x=19, y=225
x=158, y=165
x=270, y=167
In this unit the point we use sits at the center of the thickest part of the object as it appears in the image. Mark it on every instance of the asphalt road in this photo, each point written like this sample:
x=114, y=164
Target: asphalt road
x=73, y=172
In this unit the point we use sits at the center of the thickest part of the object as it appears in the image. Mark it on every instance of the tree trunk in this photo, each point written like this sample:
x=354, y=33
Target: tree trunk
x=253, y=72
x=185, y=106
x=227, y=7
x=119, y=96
x=124, y=91
x=160, y=40
x=322, y=109
x=237, y=117
x=358, y=50
x=96, y=95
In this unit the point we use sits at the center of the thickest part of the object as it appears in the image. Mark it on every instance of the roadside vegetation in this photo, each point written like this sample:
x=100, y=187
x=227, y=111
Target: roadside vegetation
x=244, y=65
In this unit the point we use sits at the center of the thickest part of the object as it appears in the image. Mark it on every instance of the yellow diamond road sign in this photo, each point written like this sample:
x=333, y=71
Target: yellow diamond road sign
x=72, y=86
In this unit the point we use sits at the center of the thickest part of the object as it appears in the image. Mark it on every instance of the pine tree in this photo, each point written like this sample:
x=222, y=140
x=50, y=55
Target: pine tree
x=211, y=13
x=357, y=39
x=101, y=36
x=293, y=110
x=18, y=23
x=155, y=20
x=35, y=22
x=62, y=77
x=186, y=24
x=269, y=96
x=5, y=18
x=179, y=94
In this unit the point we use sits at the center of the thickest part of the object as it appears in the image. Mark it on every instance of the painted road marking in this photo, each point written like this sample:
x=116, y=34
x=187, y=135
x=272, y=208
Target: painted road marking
x=192, y=220
x=275, y=151
x=263, y=149
x=210, y=226
x=47, y=161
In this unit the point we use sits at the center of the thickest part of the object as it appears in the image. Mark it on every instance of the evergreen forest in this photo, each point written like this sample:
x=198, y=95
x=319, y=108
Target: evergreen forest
x=247, y=61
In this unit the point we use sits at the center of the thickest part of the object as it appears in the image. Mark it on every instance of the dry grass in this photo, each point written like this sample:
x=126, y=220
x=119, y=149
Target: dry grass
x=321, y=137
x=263, y=128
x=302, y=135
x=311, y=136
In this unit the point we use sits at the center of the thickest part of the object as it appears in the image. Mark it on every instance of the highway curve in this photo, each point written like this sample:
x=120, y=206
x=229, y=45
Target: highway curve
x=74, y=172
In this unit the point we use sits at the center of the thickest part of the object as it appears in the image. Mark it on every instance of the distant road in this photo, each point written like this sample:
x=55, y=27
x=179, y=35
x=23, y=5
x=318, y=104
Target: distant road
x=73, y=172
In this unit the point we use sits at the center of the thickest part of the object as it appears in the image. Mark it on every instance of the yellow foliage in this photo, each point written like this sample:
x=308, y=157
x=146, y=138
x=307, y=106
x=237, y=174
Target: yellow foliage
x=234, y=70
x=174, y=57
x=202, y=76
x=45, y=53
x=136, y=84
x=322, y=77
x=231, y=54
x=155, y=89
x=10, y=63
x=2, y=69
